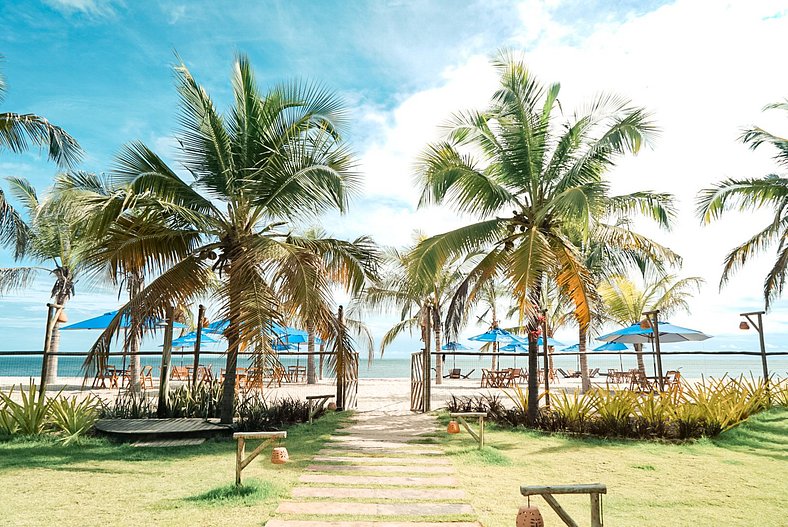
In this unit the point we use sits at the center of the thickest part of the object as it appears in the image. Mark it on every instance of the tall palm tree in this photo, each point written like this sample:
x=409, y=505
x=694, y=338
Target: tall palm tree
x=528, y=178
x=625, y=300
x=272, y=159
x=770, y=193
x=47, y=240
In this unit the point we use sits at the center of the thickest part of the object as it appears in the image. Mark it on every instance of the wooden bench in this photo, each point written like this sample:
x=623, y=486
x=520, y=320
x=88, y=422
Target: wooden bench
x=547, y=491
x=480, y=415
x=241, y=460
x=316, y=404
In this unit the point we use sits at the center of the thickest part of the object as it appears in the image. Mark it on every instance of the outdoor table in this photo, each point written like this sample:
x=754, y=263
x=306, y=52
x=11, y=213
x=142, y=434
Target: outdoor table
x=498, y=378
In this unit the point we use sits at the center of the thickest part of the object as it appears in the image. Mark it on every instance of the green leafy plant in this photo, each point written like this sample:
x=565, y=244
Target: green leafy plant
x=654, y=411
x=73, y=416
x=571, y=411
x=8, y=426
x=613, y=411
x=199, y=400
x=257, y=413
x=31, y=415
x=128, y=405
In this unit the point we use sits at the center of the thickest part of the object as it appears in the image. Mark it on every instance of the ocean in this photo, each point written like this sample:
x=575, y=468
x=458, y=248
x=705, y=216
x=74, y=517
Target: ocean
x=690, y=366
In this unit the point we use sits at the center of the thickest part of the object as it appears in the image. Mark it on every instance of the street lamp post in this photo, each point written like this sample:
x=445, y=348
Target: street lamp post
x=759, y=327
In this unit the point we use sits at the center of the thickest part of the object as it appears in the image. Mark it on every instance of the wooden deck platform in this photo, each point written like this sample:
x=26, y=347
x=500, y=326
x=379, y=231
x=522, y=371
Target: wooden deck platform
x=135, y=429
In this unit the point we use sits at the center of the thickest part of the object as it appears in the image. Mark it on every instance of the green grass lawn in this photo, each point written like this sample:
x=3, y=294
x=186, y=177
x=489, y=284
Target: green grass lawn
x=740, y=478
x=101, y=483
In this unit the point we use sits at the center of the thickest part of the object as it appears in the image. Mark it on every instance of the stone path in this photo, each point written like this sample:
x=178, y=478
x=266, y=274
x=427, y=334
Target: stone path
x=380, y=471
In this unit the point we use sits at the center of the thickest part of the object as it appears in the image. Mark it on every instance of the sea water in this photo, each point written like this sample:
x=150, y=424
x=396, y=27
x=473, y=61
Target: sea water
x=690, y=366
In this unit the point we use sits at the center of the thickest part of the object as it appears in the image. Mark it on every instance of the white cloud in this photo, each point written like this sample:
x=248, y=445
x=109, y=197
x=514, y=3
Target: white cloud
x=705, y=72
x=95, y=8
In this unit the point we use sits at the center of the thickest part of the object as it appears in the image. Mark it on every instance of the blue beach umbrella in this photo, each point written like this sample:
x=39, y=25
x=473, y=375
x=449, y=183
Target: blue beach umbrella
x=573, y=347
x=668, y=333
x=521, y=344
x=613, y=346
x=495, y=335
x=454, y=346
x=102, y=322
x=190, y=339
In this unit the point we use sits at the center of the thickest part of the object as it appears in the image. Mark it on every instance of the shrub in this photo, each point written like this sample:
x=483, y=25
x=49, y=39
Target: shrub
x=613, y=412
x=128, y=405
x=74, y=417
x=199, y=400
x=31, y=416
x=571, y=411
x=257, y=413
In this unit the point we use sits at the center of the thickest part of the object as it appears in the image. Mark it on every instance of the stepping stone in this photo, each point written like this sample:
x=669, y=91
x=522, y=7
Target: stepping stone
x=382, y=460
x=390, y=439
x=379, y=494
x=322, y=523
x=373, y=509
x=164, y=443
x=405, y=481
x=373, y=449
x=417, y=469
x=392, y=445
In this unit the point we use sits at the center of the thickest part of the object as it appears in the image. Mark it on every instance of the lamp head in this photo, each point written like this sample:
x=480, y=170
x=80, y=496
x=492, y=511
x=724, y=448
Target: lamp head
x=645, y=324
x=744, y=325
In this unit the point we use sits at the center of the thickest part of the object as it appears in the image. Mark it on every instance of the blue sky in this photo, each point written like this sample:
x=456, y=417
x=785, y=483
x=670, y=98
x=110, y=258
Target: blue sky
x=102, y=70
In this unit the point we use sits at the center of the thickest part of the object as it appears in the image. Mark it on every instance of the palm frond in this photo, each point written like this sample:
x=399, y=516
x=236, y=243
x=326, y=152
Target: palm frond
x=19, y=131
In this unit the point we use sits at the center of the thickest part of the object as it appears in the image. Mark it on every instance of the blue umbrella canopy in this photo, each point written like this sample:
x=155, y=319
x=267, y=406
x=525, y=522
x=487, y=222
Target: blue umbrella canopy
x=495, y=335
x=668, y=333
x=521, y=344
x=190, y=339
x=284, y=347
x=102, y=322
x=573, y=347
x=611, y=346
x=283, y=333
x=454, y=346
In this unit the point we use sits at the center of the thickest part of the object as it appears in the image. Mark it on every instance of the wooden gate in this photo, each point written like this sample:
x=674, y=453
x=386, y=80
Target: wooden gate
x=417, y=382
x=347, y=389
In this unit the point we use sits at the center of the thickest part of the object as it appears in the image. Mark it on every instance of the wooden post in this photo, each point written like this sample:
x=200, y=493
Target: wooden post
x=759, y=327
x=197, y=342
x=241, y=459
x=166, y=355
x=427, y=358
x=546, y=360
x=53, y=311
x=481, y=431
x=240, y=453
x=596, y=510
x=547, y=492
x=460, y=416
x=655, y=332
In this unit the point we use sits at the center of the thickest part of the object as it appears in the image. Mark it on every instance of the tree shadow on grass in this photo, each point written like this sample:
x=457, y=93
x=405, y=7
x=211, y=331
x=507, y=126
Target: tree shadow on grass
x=765, y=434
x=250, y=493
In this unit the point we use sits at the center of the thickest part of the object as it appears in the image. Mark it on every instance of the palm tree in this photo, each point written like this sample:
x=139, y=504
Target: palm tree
x=769, y=192
x=337, y=263
x=274, y=158
x=48, y=239
x=528, y=178
x=398, y=291
x=625, y=301
x=19, y=131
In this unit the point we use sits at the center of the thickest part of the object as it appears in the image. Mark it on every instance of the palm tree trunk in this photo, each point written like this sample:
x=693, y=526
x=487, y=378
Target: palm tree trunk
x=311, y=377
x=54, y=344
x=585, y=383
x=133, y=349
x=533, y=362
x=436, y=328
x=322, y=358
x=641, y=364
x=233, y=347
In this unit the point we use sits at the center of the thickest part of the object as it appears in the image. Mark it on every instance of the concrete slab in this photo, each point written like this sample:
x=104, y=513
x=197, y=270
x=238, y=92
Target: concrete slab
x=431, y=494
x=379, y=460
x=336, y=508
x=276, y=522
x=404, y=481
x=406, y=469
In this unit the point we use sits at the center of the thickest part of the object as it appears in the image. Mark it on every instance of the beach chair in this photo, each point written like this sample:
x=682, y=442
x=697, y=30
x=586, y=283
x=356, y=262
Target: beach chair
x=454, y=373
x=146, y=377
x=515, y=376
x=673, y=384
x=180, y=373
x=485, y=378
x=640, y=383
x=593, y=373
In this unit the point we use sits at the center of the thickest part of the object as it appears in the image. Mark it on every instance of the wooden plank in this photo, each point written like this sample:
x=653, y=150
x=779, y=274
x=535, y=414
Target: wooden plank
x=468, y=414
x=259, y=435
x=531, y=490
x=596, y=510
x=559, y=510
x=310, y=397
